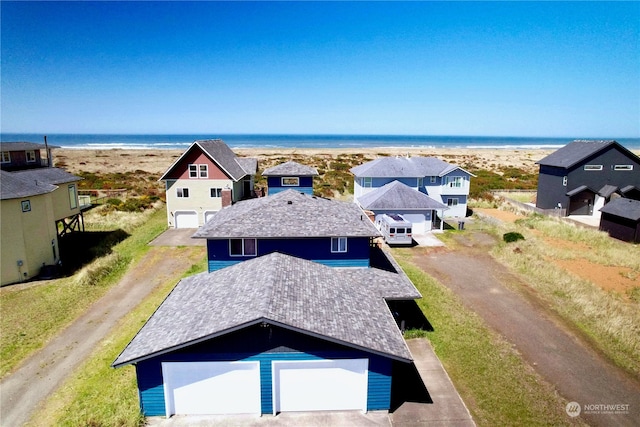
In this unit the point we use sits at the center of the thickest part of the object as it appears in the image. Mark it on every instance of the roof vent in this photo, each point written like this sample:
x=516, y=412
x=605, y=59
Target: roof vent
x=289, y=202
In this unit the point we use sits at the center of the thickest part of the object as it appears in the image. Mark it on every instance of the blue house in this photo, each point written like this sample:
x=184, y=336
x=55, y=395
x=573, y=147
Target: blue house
x=272, y=334
x=290, y=175
x=330, y=232
x=445, y=183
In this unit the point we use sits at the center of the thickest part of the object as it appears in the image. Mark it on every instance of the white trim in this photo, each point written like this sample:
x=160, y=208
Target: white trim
x=623, y=167
x=593, y=167
x=297, y=181
x=339, y=251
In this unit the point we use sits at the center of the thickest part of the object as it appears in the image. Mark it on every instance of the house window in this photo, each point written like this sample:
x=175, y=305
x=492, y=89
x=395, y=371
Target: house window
x=593, y=167
x=564, y=181
x=183, y=192
x=26, y=206
x=420, y=182
x=453, y=181
x=339, y=244
x=452, y=202
x=73, y=197
x=5, y=157
x=242, y=247
x=290, y=181
x=31, y=156
x=216, y=192
x=623, y=168
x=367, y=182
x=204, y=171
x=193, y=171
x=433, y=179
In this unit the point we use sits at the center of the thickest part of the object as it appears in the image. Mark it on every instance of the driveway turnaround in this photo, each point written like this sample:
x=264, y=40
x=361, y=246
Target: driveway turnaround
x=26, y=388
x=604, y=394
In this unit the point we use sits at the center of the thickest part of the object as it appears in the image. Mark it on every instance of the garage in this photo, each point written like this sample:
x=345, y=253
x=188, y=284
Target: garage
x=320, y=385
x=186, y=219
x=208, y=215
x=205, y=388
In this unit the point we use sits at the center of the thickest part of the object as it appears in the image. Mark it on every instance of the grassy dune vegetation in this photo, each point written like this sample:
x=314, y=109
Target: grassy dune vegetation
x=610, y=318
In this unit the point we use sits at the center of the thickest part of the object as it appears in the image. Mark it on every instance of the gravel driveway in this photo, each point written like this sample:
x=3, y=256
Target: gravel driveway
x=579, y=373
x=25, y=389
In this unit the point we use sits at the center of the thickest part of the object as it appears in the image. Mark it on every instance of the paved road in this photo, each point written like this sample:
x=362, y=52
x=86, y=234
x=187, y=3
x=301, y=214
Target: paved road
x=579, y=373
x=24, y=390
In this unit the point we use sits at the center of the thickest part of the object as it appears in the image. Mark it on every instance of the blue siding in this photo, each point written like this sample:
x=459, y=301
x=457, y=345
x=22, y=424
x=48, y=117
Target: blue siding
x=314, y=249
x=275, y=183
x=280, y=345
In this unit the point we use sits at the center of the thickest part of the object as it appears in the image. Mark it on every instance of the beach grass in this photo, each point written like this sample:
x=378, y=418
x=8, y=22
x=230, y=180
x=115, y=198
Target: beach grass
x=52, y=305
x=610, y=319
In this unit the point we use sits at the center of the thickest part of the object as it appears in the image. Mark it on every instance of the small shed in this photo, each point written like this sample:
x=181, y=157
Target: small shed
x=621, y=219
x=290, y=176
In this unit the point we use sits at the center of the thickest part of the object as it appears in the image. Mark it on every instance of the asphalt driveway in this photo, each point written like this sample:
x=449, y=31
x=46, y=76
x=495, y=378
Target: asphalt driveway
x=559, y=355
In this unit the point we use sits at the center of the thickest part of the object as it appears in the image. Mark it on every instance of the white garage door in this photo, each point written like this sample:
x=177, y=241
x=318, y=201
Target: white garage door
x=320, y=385
x=188, y=219
x=208, y=215
x=202, y=388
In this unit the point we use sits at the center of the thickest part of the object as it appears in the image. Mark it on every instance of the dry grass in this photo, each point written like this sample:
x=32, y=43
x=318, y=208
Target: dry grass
x=609, y=320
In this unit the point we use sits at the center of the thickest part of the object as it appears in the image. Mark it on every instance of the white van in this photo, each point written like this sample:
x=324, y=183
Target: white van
x=395, y=229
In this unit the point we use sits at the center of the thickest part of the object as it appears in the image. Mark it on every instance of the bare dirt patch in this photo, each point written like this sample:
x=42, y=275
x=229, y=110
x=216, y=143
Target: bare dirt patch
x=504, y=216
x=609, y=278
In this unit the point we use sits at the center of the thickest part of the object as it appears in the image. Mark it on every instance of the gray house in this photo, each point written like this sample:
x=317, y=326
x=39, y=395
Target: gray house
x=581, y=177
x=422, y=211
x=447, y=185
x=272, y=334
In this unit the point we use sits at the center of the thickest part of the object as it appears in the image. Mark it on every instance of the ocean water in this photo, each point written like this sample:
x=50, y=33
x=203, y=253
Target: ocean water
x=149, y=141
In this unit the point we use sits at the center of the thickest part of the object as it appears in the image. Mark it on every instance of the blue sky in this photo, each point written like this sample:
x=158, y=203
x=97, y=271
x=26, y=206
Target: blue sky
x=418, y=68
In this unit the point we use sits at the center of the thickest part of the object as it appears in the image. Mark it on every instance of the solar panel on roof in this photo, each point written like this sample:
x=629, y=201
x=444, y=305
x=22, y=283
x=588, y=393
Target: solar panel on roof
x=396, y=217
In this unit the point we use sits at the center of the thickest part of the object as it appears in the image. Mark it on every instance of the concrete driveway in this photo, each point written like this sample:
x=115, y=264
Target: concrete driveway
x=429, y=398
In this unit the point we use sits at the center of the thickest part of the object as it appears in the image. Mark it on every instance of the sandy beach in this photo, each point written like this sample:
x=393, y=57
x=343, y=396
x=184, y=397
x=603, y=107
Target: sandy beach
x=157, y=162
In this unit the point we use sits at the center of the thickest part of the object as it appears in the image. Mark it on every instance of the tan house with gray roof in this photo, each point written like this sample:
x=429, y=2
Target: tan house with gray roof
x=206, y=177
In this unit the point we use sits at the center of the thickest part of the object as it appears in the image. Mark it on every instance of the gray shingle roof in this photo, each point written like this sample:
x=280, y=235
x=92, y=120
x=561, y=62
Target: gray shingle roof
x=404, y=167
x=342, y=306
x=14, y=186
x=396, y=195
x=579, y=190
x=578, y=150
x=290, y=168
x=49, y=175
x=23, y=146
x=289, y=214
x=624, y=208
x=235, y=167
x=607, y=190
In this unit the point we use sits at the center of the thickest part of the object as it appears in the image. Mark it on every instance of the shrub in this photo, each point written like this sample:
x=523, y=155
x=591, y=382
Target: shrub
x=512, y=237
